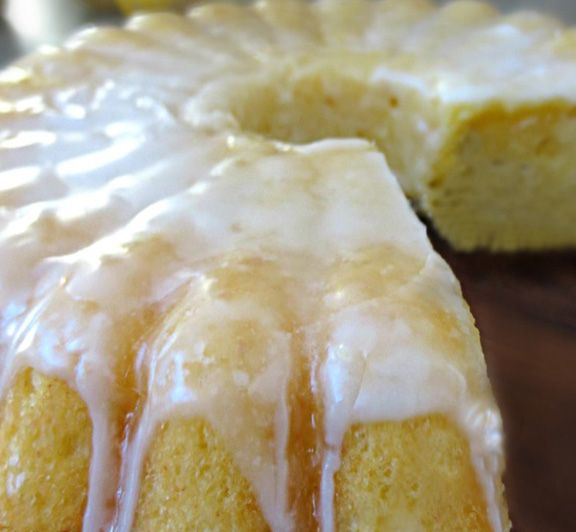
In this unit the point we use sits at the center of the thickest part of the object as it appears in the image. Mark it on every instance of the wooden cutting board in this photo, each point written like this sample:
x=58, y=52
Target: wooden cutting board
x=525, y=308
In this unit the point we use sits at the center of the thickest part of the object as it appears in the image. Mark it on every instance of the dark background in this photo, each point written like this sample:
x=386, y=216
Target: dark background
x=525, y=306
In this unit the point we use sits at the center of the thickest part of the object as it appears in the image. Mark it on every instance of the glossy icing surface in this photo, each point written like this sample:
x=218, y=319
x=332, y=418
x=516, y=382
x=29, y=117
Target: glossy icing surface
x=128, y=205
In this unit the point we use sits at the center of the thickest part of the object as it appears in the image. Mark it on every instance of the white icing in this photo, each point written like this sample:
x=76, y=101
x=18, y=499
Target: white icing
x=122, y=192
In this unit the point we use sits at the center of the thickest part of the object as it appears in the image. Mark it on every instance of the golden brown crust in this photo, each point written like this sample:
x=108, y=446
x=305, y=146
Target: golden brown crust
x=408, y=475
x=190, y=482
x=45, y=446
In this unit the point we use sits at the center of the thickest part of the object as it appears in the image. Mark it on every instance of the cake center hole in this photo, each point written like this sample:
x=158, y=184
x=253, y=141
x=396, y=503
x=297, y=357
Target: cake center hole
x=302, y=105
x=311, y=108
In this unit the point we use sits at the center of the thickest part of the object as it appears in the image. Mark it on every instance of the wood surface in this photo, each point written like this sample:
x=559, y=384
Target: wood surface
x=525, y=308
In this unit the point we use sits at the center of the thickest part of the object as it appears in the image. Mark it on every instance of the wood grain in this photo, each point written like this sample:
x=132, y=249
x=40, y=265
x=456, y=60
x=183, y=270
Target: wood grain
x=525, y=307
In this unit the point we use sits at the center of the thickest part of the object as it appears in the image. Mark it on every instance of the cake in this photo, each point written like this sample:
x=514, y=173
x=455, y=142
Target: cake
x=219, y=310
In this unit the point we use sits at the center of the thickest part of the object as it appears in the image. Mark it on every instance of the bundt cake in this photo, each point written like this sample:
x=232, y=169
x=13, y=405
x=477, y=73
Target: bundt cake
x=213, y=318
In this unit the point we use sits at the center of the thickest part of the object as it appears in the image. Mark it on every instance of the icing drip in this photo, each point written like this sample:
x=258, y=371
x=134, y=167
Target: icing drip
x=142, y=234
